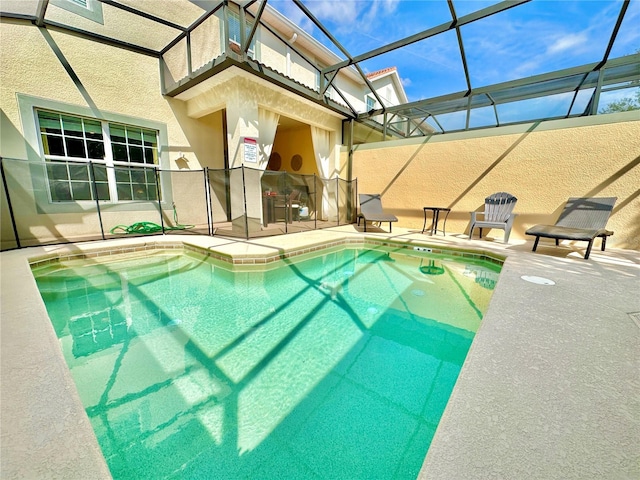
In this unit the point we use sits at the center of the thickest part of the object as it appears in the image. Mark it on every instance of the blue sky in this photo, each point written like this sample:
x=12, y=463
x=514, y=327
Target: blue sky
x=538, y=37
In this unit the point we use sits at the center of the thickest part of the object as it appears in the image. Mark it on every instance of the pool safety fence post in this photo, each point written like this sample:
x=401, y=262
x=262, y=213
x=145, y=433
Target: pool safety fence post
x=155, y=171
x=355, y=202
x=95, y=195
x=207, y=199
x=315, y=201
x=9, y=207
x=287, y=200
x=244, y=199
x=338, y=198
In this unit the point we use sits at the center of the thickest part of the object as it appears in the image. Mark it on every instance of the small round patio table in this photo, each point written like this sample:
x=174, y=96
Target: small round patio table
x=435, y=216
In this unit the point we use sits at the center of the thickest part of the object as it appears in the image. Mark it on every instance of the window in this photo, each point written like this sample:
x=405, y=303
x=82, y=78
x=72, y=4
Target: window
x=91, y=9
x=234, y=32
x=330, y=92
x=371, y=103
x=123, y=159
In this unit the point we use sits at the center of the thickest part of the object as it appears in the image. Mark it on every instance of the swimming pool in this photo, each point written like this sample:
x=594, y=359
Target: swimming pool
x=336, y=366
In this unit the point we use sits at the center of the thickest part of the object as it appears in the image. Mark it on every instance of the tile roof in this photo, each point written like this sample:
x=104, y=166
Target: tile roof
x=381, y=72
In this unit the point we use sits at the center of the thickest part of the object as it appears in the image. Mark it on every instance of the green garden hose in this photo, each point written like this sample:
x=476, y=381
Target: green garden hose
x=149, y=227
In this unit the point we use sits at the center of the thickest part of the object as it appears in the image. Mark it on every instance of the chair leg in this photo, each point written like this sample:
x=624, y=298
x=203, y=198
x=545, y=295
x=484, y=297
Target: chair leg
x=389, y=227
x=507, y=233
x=586, y=255
x=535, y=244
x=480, y=233
x=557, y=242
x=604, y=242
x=473, y=225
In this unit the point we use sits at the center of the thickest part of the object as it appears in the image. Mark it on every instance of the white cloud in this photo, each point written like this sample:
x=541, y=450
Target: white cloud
x=340, y=12
x=293, y=13
x=568, y=42
x=352, y=14
x=406, y=81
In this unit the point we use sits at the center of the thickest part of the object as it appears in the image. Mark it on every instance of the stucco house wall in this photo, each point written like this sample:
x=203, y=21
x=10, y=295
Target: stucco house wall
x=66, y=73
x=542, y=164
x=98, y=81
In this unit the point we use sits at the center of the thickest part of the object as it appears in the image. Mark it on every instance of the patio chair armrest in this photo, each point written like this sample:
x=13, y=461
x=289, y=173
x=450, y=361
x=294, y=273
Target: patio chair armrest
x=474, y=216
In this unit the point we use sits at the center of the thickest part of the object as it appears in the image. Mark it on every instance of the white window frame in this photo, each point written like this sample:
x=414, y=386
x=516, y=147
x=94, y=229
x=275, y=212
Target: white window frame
x=92, y=9
x=108, y=159
x=370, y=103
x=28, y=106
x=232, y=14
x=331, y=92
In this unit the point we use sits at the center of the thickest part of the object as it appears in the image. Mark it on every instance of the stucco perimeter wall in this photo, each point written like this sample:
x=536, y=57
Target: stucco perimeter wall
x=543, y=164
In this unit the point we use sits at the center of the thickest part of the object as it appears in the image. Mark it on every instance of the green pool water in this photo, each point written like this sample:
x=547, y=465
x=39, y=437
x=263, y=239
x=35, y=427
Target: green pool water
x=335, y=367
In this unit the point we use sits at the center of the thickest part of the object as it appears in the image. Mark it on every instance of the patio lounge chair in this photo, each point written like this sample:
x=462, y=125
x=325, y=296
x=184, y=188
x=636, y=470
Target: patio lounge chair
x=497, y=213
x=583, y=219
x=371, y=210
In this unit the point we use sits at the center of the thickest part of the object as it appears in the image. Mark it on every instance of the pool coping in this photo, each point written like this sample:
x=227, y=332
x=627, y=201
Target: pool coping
x=486, y=415
x=256, y=258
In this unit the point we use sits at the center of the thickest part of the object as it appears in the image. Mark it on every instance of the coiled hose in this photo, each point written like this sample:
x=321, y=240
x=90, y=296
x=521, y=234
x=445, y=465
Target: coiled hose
x=149, y=227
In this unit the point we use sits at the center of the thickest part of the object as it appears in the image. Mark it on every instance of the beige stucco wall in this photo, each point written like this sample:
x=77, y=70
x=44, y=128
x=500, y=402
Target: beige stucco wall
x=243, y=94
x=296, y=142
x=541, y=164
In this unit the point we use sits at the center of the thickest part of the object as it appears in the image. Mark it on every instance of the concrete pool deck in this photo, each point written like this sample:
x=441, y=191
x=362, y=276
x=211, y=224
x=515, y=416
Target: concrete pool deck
x=550, y=388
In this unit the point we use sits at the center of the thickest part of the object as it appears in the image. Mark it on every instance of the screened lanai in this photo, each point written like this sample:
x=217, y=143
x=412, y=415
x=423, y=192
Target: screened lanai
x=464, y=65
x=430, y=103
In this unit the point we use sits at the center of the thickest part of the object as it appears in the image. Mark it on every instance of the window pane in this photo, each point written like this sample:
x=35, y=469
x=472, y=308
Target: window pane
x=152, y=192
x=100, y=173
x=57, y=171
x=122, y=175
x=96, y=149
x=93, y=129
x=151, y=175
x=370, y=103
x=140, y=192
x=119, y=152
x=75, y=147
x=134, y=135
x=124, y=191
x=103, y=191
x=72, y=126
x=234, y=27
x=81, y=191
x=150, y=156
x=52, y=145
x=79, y=172
x=49, y=122
x=150, y=138
x=137, y=176
x=136, y=154
x=117, y=133
x=60, y=191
